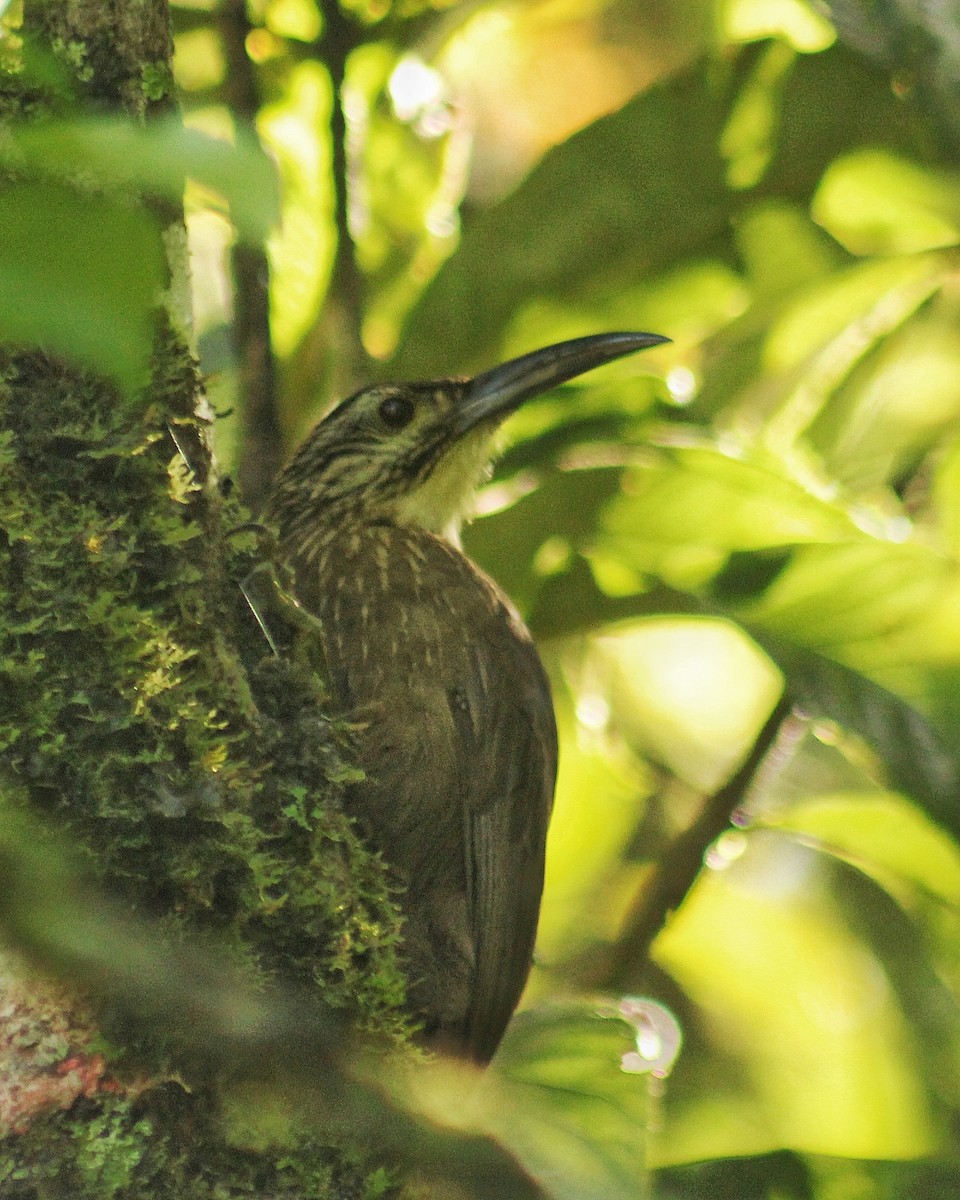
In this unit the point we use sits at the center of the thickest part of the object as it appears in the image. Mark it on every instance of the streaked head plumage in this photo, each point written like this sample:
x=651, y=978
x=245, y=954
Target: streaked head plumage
x=412, y=454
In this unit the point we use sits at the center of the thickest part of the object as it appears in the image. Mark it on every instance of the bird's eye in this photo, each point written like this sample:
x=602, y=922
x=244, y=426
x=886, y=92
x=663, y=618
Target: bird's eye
x=396, y=411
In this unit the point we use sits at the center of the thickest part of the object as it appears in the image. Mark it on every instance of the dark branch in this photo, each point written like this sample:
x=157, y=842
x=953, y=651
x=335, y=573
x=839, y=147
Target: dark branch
x=678, y=869
x=343, y=316
x=261, y=442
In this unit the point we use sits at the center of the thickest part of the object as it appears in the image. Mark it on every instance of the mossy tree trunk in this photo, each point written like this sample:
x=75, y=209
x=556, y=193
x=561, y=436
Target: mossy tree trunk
x=143, y=716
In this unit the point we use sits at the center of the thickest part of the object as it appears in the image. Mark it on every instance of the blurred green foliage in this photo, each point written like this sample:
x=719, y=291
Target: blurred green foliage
x=771, y=502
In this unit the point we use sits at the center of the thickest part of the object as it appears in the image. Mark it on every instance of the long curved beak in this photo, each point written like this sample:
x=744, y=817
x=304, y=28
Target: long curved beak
x=495, y=394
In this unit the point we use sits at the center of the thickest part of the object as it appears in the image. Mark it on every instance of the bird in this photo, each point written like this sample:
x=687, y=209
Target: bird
x=434, y=668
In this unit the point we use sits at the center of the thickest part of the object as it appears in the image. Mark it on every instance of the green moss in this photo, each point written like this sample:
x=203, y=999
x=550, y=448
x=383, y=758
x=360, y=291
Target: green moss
x=142, y=710
x=114, y=1151
x=157, y=80
x=145, y=708
x=109, y=1149
x=74, y=54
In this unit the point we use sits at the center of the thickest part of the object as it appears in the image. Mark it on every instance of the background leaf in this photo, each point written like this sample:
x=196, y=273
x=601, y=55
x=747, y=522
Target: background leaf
x=651, y=189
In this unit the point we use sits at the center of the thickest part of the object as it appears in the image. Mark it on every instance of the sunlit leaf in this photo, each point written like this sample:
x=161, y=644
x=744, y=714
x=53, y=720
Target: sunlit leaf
x=301, y=250
x=699, y=496
x=883, y=834
x=869, y=589
x=294, y=19
x=876, y=203
x=749, y=136
x=887, y=608
x=780, y=367
x=790, y=990
x=668, y=684
x=897, y=403
x=412, y=154
x=914, y=938
x=801, y=25
x=783, y=249
x=601, y=797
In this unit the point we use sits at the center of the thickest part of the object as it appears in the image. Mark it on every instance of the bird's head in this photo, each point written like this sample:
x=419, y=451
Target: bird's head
x=412, y=453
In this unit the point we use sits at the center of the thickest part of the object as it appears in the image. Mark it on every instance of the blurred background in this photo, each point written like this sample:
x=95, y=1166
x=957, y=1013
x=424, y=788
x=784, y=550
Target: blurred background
x=767, y=507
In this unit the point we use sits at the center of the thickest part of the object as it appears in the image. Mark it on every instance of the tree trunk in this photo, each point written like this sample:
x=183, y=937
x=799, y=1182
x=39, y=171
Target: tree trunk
x=145, y=719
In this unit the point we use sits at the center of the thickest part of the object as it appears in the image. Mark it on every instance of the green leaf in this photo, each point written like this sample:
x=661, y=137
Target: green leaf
x=80, y=275
x=875, y=202
x=919, y=759
x=156, y=160
x=783, y=363
x=700, y=496
x=779, y=1176
x=865, y=592
x=915, y=941
x=883, y=834
x=899, y=402
x=566, y=1107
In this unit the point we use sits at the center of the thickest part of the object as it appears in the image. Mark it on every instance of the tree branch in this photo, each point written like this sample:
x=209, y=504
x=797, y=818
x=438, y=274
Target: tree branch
x=680, y=866
x=343, y=313
x=261, y=440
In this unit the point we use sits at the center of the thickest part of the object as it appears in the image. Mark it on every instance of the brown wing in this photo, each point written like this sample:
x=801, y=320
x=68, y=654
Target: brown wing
x=459, y=745
x=505, y=722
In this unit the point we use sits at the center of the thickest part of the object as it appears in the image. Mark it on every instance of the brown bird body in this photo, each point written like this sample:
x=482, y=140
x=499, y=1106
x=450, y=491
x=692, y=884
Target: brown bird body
x=432, y=739
x=426, y=654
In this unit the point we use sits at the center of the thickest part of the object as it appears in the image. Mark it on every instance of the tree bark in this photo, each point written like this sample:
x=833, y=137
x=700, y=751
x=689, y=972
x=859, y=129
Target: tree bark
x=143, y=717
